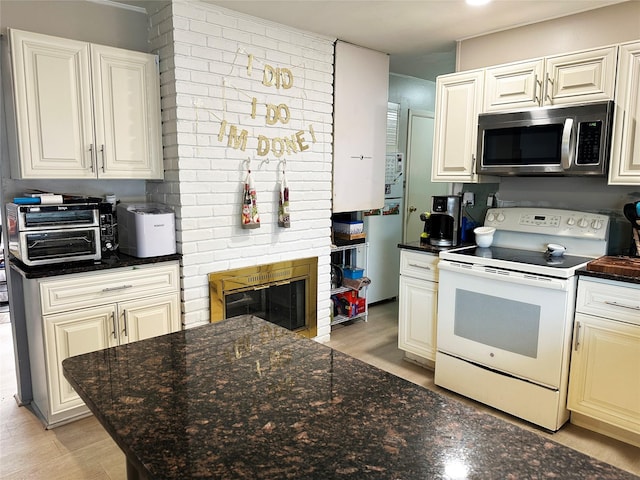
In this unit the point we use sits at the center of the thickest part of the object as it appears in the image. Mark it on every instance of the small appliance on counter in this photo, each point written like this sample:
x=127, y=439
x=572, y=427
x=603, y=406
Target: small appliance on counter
x=108, y=227
x=442, y=225
x=146, y=229
x=47, y=234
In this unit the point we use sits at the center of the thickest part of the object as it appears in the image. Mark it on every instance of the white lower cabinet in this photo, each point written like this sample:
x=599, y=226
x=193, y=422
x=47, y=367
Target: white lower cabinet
x=418, y=306
x=604, y=384
x=75, y=314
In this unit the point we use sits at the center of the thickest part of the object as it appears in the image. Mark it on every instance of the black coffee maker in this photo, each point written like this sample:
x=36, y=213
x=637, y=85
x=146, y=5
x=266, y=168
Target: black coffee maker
x=442, y=224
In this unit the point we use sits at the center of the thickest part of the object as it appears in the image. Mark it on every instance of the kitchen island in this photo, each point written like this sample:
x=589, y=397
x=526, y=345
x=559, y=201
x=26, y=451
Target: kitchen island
x=245, y=399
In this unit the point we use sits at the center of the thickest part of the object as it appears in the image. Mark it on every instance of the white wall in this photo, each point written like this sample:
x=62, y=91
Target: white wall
x=207, y=77
x=603, y=26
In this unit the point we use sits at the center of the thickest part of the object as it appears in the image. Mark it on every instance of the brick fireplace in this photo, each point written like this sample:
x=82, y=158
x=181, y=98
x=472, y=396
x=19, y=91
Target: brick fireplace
x=284, y=293
x=213, y=69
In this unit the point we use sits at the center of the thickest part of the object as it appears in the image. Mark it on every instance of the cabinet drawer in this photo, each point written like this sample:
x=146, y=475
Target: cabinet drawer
x=90, y=289
x=419, y=265
x=614, y=301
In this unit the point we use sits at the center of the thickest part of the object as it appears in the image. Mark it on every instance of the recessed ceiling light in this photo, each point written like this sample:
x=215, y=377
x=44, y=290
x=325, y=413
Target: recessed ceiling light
x=476, y=3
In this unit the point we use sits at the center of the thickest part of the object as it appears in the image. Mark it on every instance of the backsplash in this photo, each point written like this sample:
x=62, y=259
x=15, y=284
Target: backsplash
x=238, y=94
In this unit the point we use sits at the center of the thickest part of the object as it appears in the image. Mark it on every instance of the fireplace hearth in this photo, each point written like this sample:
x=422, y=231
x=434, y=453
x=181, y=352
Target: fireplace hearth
x=284, y=293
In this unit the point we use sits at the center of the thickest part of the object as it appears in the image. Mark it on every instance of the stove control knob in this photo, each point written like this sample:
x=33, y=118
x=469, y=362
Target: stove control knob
x=571, y=222
x=583, y=223
x=491, y=217
x=596, y=224
x=501, y=217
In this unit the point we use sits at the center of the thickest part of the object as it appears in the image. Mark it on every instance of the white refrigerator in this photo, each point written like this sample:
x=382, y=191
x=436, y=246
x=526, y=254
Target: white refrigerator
x=384, y=233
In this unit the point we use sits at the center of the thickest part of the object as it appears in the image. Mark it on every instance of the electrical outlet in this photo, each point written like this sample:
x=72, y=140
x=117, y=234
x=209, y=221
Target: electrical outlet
x=468, y=199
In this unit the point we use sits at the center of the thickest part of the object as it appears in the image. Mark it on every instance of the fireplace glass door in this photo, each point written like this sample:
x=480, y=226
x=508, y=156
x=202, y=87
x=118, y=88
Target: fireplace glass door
x=282, y=304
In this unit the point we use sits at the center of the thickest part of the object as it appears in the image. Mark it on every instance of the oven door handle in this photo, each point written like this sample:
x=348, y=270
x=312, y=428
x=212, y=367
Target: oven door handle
x=493, y=273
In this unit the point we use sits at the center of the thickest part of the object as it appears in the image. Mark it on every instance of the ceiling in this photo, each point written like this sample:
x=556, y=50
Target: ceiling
x=413, y=32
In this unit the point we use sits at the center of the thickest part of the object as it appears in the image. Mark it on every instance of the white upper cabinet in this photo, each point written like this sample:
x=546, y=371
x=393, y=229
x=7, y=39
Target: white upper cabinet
x=586, y=76
x=84, y=110
x=361, y=90
x=625, y=152
x=458, y=103
x=513, y=86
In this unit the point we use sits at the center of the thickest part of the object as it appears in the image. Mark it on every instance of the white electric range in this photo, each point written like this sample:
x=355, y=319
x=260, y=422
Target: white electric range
x=505, y=313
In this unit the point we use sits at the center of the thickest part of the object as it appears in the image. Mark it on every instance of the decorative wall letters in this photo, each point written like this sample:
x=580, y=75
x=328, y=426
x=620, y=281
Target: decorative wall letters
x=274, y=114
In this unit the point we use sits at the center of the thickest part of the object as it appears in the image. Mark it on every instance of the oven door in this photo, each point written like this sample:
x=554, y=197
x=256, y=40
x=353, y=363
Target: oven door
x=57, y=246
x=515, y=323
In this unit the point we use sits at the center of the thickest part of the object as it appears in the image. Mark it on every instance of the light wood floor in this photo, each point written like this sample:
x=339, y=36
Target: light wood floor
x=83, y=451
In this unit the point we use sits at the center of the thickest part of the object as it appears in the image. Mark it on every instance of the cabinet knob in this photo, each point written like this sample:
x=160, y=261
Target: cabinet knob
x=412, y=209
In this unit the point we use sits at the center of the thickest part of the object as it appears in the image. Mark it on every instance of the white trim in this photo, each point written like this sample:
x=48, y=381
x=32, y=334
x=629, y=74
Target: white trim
x=112, y=3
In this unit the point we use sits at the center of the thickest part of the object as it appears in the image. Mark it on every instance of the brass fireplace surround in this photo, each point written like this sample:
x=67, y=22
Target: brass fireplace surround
x=264, y=276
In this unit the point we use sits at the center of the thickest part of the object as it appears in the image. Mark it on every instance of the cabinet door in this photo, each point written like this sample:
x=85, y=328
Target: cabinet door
x=69, y=334
x=360, y=128
x=625, y=151
x=514, y=86
x=605, y=372
x=149, y=317
x=418, y=306
x=458, y=102
x=127, y=113
x=581, y=77
x=52, y=89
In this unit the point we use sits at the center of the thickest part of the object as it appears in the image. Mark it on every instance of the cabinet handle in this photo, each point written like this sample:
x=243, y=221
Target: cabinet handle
x=537, y=83
x=473, y=164
x=91, y=156
x=102, y=154
x=112, y=289
x=362, y=157
x=115, y=327
x=576, y=338
x=424, y=267
x=616, y=304
x=547, y=89
x=124, y=316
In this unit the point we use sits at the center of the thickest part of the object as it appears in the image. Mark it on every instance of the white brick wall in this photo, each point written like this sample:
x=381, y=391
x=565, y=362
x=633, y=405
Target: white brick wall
x=204, y=56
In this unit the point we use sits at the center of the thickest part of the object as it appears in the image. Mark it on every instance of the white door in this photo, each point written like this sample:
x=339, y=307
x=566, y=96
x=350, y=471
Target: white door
x=417, y=311
x=361, y=91
x=605, y=377
x=74, y=333
x=149, y=317
x=419, y=189
x=458, y=103
x=53, y=106
x=127, y=113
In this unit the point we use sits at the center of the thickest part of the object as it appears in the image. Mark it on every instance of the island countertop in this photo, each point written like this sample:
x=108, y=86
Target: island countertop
x=245, y=399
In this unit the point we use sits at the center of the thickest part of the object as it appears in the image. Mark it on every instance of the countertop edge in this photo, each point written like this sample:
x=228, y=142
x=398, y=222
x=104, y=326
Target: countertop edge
x=107, y=263
x=608, y=276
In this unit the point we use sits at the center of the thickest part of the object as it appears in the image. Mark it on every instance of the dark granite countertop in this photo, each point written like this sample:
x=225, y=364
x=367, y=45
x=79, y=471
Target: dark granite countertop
x=245, y=399
x=608, y=276
x=115, y=260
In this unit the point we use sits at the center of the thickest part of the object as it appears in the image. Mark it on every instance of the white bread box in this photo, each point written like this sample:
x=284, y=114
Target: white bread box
x=146, y=229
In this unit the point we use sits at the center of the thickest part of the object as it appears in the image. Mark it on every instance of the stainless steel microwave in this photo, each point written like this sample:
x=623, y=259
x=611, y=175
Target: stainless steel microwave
x=562, y=140
x=47, y=234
